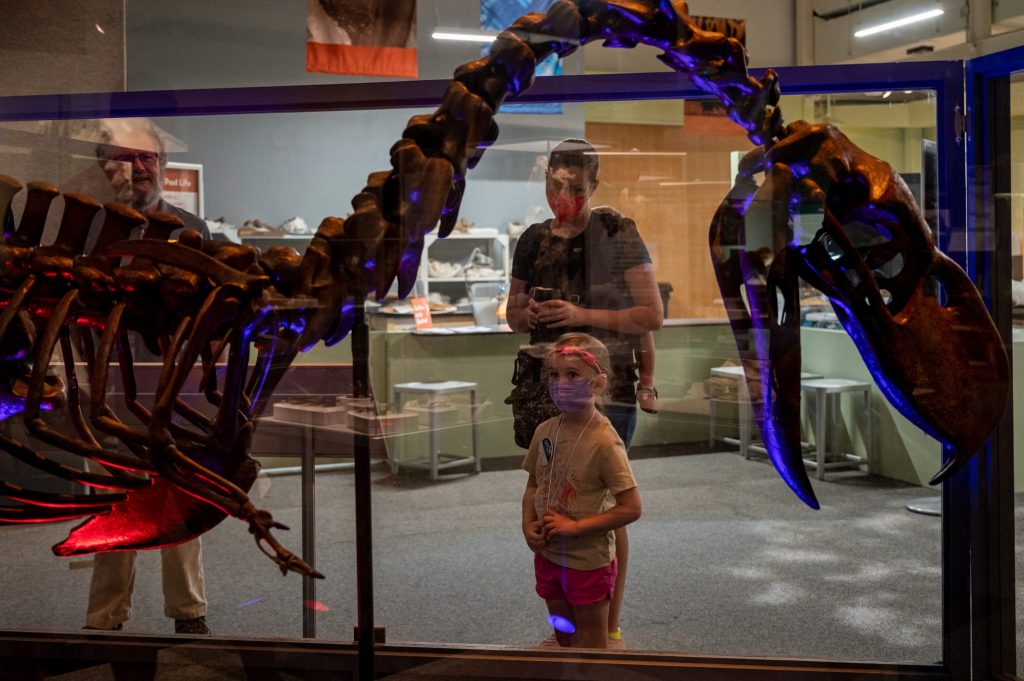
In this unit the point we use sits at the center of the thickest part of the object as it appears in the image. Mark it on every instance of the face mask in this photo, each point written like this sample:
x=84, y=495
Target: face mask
x=564, y=206
x=572, y=395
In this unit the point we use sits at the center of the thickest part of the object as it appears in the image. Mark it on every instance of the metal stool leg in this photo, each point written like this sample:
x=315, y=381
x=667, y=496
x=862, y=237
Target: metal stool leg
x=435, y=443
x=869, y=439
x=745, y=417
x=837, y=420
x=393, y=455
x=472, y=421
x=712, y=417
x=821, y=411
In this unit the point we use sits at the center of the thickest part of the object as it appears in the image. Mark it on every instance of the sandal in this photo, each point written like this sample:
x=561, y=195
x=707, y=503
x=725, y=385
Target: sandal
x=647, y=398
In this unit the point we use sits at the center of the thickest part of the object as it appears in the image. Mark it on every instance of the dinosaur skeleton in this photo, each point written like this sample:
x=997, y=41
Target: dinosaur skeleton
x=941, y=365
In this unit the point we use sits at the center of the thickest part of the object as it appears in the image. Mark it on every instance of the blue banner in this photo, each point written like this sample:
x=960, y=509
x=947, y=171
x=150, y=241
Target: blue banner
x=496, y=15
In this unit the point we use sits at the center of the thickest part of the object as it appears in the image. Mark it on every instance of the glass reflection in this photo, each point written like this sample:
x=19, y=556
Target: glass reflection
x=721, y=540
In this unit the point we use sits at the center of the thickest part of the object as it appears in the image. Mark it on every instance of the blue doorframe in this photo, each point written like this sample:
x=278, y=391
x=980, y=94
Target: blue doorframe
x=989, y=492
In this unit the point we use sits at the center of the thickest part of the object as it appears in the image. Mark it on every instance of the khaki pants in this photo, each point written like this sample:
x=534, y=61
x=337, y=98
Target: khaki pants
x=113, y=579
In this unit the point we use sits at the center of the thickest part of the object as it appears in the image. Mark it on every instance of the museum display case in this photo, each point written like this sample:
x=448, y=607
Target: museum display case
x=389, y=450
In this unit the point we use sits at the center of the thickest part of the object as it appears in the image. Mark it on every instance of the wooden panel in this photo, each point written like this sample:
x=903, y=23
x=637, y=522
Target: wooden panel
x=672, y=197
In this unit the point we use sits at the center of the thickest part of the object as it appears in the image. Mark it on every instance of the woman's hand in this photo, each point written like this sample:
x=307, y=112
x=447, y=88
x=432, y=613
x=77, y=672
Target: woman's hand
x=559, y=313
x=558, y=525
x=532, y=313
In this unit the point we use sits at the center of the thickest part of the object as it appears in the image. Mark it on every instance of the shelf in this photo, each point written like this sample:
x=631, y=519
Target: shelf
x=255, y=237
x=494, y=245
x=462, y=280
x=460, y=235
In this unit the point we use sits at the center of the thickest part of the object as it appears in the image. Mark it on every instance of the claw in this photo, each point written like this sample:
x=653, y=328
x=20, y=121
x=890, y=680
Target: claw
x=943, y=366
x=260, y=524
x=409, y=268
x=769, y=351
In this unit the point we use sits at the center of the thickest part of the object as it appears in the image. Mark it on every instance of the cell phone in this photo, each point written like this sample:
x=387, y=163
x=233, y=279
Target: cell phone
x=541, y=293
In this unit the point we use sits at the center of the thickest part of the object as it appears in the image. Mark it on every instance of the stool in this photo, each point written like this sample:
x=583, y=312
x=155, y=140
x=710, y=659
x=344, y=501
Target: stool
x=828, y=393
x=436, y=461
x=744, y=413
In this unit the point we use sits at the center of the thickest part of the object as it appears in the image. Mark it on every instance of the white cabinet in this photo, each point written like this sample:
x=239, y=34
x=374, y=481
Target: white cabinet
x=451, y=264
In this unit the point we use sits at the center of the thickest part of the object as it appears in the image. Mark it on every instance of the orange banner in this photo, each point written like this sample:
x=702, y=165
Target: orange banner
x=362, y=37
x=362, y=61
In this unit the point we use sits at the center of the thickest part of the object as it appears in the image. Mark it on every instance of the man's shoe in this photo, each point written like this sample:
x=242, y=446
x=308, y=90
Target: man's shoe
x=196, y=625
x=117, y=627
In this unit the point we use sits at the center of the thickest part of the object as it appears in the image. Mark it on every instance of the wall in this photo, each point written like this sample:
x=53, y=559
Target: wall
x=52, y=46
x=318, y=162
x=949, y=36
x=770, y=37
x=275, y=167
x=672, y=199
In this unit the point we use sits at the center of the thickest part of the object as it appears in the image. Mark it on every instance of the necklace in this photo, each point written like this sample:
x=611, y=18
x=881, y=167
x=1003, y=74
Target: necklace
x=552, y=485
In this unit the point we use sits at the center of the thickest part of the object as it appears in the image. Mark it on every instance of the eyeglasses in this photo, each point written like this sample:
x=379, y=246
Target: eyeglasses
x=147, y=158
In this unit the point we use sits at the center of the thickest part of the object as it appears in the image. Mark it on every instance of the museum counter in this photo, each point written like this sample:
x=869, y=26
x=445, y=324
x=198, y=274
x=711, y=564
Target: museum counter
x=687, y=350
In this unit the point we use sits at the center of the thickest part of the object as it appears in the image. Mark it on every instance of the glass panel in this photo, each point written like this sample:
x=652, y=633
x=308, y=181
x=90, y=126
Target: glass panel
x=1016, y=200
x=721, y=538
x=271, y=194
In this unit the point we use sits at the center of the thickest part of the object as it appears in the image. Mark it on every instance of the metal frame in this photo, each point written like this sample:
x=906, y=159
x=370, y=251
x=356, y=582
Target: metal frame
x=989, y=487
x=971, y=502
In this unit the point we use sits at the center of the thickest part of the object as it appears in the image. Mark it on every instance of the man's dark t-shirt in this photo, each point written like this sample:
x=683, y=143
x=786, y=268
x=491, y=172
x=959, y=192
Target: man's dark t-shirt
x=589, y=270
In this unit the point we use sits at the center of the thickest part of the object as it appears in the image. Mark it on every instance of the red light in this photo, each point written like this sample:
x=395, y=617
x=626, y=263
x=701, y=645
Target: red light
x=159, y=515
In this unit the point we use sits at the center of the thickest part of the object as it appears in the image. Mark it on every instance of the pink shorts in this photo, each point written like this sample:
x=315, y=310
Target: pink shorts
x=578, y=587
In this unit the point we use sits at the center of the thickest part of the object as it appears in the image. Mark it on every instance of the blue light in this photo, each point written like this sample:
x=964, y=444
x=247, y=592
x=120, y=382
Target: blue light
x=561, y=624
x=800, y=169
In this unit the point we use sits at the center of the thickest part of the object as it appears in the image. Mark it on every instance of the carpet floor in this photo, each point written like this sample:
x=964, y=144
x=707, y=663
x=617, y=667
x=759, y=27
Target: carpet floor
x=725, y=560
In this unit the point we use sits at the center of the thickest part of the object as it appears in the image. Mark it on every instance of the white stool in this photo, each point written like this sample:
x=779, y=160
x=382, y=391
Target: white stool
x=828, y=394
x=436, y=461
x=744, y=413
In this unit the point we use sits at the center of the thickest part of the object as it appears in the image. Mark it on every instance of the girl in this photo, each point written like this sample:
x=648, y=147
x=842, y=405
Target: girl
x=581, y=488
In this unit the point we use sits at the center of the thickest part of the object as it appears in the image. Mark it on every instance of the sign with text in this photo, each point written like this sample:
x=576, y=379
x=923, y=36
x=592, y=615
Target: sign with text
x=421, y=313
x=183, y=186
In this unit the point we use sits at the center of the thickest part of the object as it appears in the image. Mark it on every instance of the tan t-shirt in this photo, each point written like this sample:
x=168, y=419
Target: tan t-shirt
x=579, y=481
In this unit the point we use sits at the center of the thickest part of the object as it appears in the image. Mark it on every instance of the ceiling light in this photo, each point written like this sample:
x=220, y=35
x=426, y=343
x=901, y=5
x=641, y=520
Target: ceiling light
x=887, y=94
x=464, y=34
x=889, y=25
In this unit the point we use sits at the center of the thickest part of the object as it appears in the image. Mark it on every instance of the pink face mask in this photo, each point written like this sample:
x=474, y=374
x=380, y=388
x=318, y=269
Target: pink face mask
x=565, y=206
